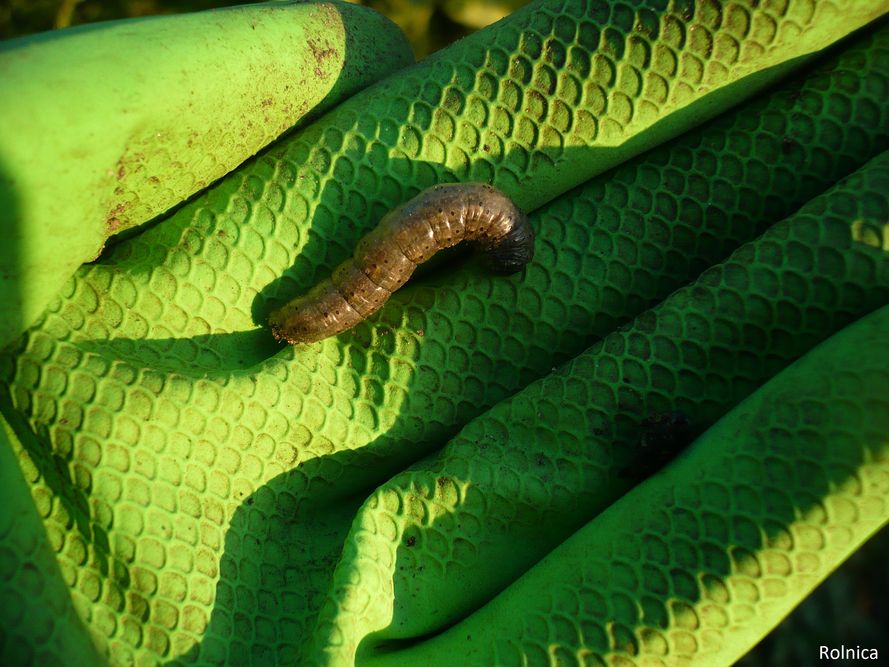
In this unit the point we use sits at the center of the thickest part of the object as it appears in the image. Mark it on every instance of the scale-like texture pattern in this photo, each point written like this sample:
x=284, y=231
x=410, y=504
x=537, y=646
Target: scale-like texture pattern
x=560, y=89
x=587, y=430
x=40, y=626
x=694, y=565
x=181, y=470
x=100, y=134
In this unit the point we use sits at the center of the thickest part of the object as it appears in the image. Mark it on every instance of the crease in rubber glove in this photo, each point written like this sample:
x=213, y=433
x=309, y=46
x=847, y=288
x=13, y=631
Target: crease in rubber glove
x=699, y=562
x=266, y=459
x=440, y=539
x=39, y=621
x=106, y=126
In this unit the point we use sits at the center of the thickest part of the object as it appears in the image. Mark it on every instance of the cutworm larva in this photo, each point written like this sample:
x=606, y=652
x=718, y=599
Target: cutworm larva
x=439, y=217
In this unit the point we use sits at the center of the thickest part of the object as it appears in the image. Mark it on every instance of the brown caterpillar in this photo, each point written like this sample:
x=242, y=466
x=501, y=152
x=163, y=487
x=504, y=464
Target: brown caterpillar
x=439, y=217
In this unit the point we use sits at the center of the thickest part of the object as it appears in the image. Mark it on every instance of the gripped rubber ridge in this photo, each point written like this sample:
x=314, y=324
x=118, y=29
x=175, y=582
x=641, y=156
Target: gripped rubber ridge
x=106, y=126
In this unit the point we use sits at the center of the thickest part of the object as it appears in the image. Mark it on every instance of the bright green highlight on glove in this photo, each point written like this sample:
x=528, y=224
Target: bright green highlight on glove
x=106, y=126
x=695, y=565
x=521, y=478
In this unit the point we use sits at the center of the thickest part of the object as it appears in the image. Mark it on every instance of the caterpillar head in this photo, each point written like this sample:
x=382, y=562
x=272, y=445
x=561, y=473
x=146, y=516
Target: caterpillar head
x=514, y=250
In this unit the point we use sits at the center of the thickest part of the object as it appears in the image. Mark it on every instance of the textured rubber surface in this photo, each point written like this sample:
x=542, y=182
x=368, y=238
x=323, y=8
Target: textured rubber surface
x=694, y=565
x=39, y=623
x=426, y=538
x=106, y=126
x=565, y=90
x=197, y=485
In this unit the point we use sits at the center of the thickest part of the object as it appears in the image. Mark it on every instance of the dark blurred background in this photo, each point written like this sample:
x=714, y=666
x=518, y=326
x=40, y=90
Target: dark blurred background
x=429, y=24
x=850, y=609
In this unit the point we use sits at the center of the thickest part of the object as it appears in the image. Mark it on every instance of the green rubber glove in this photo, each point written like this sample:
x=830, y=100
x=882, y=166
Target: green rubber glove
x=103, y=127
x=212, y=497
